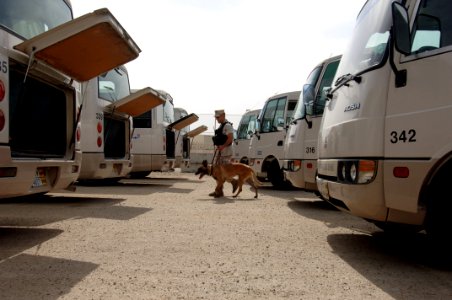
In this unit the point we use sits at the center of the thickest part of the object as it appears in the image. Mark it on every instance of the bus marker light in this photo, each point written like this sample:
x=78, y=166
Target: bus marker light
x=99, y=127
x=401, y=172
x=74, y=168
x=2, y=91
x=2, y=120
x=78, y=134
x=8, y=172
x=99, y=141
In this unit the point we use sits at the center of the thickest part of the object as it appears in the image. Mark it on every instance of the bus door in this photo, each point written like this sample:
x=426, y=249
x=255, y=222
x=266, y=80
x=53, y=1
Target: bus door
x=420, y=104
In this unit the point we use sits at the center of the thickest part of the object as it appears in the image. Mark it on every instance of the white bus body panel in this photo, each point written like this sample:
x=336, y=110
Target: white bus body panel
x=351, y=134
x=423, y=111
x=301, y=143
x=270, y=145
x=148, y=144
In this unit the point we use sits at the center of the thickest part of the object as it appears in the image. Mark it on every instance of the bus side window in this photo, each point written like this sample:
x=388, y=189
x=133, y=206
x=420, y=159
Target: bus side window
x=433, y=26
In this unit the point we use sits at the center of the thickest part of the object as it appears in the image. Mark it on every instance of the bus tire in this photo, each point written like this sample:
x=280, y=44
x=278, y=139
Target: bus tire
x=276, y=176
x=139, y=175
x=244, y=160
x=438, y=224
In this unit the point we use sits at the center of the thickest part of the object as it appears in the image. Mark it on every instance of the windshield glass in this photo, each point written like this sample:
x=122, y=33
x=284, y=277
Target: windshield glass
x=247, y=127
x=114, y=85
x=168, y=111
x=300, y=109
x=180, y=113
x=273, y=115
x=29, y=18
x=368, y=46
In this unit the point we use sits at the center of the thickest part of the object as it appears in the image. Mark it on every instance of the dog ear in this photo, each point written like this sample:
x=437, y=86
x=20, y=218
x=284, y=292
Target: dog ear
x=204, y=163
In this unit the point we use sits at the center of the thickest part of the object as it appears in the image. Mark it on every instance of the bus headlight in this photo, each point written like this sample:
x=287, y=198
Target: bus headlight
x=353, y=172
x=294, y=165
x=357, y=171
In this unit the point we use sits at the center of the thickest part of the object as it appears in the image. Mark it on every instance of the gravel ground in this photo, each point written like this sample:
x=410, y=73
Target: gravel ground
x=163, y=238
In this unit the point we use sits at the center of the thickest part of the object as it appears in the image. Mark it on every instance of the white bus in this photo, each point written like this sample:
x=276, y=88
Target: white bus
x=44, y=55
x=149, y=138
x=154, y=138
x=267, y=144
x=386, y=142
x=247, y=127
x=300, y=147
x=106, y=126
x=184, y=136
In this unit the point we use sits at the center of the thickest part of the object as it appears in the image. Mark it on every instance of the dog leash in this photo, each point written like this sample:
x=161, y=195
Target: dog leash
x=213, y=160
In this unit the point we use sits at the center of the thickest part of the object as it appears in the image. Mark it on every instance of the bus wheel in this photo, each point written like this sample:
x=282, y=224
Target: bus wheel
x=437, y=220
x=139, y=175
x=438, y=223
x=276, y=176
x=244, y=161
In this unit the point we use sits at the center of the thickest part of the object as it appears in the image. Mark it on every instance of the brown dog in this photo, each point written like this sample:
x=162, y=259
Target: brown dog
x=227, y=172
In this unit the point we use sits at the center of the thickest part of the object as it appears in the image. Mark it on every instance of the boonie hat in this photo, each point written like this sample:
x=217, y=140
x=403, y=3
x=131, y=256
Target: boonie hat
x=219, y=112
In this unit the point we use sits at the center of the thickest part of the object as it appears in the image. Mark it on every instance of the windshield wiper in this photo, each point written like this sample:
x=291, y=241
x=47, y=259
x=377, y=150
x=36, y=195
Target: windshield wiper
x=343, y=80
x=294, y=121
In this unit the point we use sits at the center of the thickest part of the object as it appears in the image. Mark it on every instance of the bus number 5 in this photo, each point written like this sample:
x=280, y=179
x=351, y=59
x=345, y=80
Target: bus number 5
x=4, y=66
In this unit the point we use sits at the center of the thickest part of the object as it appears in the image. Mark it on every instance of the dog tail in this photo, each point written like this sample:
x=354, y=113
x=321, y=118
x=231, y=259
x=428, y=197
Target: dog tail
x=256, y=180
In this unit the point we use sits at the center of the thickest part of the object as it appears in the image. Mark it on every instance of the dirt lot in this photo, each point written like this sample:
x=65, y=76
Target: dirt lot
x=163, y=238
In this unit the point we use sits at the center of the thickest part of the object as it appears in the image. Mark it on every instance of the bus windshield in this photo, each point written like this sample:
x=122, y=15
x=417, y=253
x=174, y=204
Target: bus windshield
x=28, y=18
x=168, y=112
x=114, y=85
x=247, y=127
x=368, y=46
x=309, y=87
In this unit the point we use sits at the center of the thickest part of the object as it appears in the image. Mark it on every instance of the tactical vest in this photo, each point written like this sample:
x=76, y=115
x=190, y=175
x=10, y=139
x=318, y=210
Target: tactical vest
x=219, y=138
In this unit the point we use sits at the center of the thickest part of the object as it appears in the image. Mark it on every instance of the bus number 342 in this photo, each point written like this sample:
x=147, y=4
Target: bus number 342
x=403, y=136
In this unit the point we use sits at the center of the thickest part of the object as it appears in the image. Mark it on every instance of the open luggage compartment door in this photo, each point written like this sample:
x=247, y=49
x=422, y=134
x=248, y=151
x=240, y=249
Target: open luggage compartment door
x=85, y=47
x=196, y=131
x=138, y=103
x=184, y=122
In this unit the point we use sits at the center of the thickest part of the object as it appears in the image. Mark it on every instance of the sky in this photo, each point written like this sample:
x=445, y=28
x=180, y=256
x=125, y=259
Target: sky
x=228, y=54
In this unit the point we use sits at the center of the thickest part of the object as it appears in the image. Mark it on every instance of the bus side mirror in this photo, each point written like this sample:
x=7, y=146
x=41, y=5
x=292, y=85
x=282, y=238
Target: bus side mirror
x=256, y=133
x=401, y=28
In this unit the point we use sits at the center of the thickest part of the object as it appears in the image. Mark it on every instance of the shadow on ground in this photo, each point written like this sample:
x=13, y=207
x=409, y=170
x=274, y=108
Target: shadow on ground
x=46, y=209
x=404, y=266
